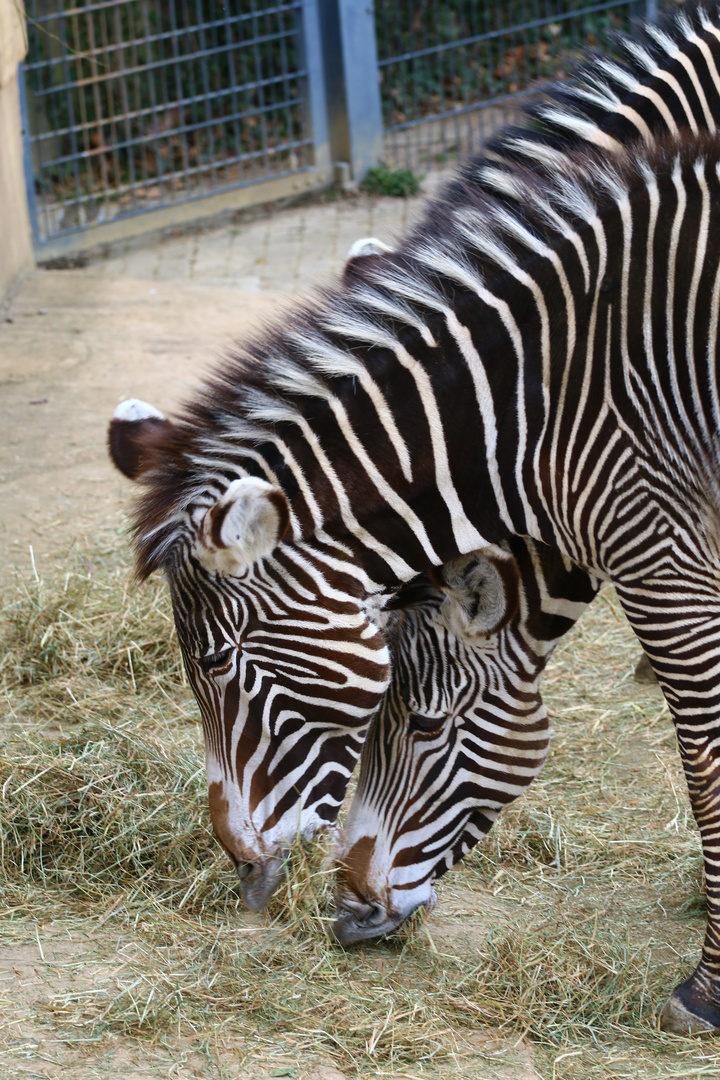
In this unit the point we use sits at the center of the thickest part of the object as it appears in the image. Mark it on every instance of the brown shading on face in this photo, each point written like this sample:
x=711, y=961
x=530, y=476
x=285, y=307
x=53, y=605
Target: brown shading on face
x=353, y=868
x=219, y=810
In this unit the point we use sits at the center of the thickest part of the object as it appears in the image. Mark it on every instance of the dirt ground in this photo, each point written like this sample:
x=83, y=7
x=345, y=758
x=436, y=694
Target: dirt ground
x=76, y=346
x=73, y=343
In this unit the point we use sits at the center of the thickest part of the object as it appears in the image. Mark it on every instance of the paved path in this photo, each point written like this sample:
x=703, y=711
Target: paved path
x=143, y=320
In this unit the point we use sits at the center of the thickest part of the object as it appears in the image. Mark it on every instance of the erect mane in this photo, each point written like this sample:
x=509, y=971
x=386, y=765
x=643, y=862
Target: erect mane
x=595, y=102
x=512, y=195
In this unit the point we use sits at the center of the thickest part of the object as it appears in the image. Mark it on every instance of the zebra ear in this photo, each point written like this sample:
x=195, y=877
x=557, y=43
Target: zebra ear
x=362, y=254
x=245, y=524
x=137, y=437
x=483, y=592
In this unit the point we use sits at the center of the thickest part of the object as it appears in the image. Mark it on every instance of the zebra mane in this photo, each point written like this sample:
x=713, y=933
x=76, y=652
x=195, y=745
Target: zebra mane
x=649, y=88
x=532, y=191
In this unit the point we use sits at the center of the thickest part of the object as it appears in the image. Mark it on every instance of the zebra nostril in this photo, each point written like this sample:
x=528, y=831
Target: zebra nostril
x=376, y=915
x=358, y=910
x=258, y=880
x=246, y=870
x=356, y=920
x=362, y=913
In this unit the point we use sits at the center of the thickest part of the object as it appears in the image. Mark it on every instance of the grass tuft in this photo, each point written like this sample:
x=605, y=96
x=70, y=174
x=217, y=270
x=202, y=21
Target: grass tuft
x=400, y=183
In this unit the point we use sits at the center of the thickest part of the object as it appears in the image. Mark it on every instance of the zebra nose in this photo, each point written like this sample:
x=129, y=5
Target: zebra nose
x=362, y=912
x=259, y=880
x=355, y=920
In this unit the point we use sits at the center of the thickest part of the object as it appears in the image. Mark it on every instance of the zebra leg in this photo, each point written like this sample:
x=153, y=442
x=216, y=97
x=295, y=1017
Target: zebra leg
x=681, y=640
x=694, y=1006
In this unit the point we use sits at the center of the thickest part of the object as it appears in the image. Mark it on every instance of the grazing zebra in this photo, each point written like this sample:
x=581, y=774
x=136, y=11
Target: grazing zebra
x=461, y=732
x=537, y=359
x=423, y=801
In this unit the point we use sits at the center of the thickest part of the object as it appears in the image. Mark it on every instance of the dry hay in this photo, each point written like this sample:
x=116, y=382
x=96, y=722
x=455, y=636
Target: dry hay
x=567, y=928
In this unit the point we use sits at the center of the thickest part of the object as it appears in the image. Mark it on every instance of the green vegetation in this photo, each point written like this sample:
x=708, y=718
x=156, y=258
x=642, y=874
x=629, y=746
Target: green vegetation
x=384, y=181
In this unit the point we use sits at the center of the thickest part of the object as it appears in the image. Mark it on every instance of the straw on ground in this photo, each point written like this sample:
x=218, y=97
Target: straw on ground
x=567, y=928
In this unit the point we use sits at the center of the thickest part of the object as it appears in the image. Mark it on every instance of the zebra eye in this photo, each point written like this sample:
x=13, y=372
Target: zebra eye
x=215, y=660
x=418, y=722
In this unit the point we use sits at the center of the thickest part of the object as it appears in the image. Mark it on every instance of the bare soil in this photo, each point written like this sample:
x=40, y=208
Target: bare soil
x=76, y=345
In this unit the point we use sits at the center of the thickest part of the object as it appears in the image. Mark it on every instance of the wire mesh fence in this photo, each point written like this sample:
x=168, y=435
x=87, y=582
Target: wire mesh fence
x=452, y=70
x=135, y=105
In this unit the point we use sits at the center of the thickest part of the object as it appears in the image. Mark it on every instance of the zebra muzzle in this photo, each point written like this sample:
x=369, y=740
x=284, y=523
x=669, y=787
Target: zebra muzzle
x=259, y=880
x=356, y=920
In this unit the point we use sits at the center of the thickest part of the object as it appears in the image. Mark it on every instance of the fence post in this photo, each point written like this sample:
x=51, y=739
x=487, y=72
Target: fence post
x=28, y=162
x=310, y=29
x=352, y=83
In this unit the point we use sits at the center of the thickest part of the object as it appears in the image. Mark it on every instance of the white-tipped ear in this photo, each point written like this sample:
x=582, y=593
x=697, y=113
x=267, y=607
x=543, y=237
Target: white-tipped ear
x=362, y=254
x=368, y=245
x=133, y=409
x=139, y=437
x=245, y=524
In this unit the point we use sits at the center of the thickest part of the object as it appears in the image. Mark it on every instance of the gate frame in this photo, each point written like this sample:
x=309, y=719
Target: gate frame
x=352, y=79
x=195, y=208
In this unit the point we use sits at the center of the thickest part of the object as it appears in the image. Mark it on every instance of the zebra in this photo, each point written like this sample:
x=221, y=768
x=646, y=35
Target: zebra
x=485, y=381
x=423, y=797
x=462, y=730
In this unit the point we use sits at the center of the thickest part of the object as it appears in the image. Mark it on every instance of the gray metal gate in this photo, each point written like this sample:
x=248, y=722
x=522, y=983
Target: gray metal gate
x=133, y=105
x=452, y=70
x=140, y=105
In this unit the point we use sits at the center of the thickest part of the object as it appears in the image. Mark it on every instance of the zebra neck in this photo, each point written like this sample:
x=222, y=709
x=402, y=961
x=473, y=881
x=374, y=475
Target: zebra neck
x=508, y=371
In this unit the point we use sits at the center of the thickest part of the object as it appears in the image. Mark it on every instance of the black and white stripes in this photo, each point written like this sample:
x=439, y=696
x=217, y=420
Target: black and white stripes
x=461, y=731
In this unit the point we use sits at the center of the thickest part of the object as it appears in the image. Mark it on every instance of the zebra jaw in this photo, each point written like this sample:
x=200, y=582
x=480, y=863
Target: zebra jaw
x=370, y=901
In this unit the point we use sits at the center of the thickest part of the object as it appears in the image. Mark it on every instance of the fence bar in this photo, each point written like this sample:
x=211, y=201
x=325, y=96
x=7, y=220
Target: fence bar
x=451, y=74
x=134, y=107
x=352, y=82
x=28, y=167
x=316, y=103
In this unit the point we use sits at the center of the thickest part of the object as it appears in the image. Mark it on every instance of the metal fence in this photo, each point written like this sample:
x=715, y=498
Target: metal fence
x=134, y=105
x=139, y=105
x=452, y=70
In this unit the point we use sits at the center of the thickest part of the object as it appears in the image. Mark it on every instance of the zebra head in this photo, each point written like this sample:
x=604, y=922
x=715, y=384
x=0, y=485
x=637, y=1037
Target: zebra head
x=461, y=731
x=286, y=665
